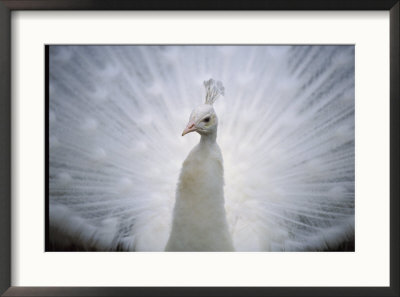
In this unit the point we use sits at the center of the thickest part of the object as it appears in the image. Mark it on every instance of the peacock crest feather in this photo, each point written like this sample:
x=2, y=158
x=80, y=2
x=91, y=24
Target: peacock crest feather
x=213, y=90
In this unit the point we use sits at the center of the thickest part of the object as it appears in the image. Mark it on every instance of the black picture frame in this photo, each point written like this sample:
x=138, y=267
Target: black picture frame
x=6, y=7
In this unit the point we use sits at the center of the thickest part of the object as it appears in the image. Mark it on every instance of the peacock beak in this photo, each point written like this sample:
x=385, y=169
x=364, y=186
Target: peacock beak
x=189, y=128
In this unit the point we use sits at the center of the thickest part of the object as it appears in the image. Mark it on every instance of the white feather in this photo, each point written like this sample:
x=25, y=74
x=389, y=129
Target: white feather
x=199, y=220
x=286, y=133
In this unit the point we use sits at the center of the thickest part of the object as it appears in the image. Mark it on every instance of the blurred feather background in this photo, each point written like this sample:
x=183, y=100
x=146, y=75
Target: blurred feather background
x=286, y=131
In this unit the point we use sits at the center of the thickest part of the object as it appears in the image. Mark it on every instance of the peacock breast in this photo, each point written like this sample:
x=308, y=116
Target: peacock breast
x=202, y=173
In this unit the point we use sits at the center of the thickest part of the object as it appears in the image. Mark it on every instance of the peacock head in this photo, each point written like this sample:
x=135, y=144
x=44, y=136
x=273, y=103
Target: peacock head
x=203, y=118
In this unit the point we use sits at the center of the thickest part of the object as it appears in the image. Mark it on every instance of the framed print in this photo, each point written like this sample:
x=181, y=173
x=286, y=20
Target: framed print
x=166, y=148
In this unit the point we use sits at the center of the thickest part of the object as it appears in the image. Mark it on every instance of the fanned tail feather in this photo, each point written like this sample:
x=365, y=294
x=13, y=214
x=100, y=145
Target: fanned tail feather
x=286, y=131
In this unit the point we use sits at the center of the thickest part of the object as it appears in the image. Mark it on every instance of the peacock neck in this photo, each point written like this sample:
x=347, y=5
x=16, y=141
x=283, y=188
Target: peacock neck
x=209, y=138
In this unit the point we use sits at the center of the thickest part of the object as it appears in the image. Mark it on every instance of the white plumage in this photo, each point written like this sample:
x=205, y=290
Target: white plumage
x=286, y=133
x=199, y=220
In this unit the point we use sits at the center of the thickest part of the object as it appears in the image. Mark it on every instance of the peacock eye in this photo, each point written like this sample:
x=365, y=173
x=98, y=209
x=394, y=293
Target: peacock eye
x=207, y=119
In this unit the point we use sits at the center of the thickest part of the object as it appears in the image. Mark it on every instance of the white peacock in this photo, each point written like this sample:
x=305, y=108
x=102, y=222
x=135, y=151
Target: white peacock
x=285, y=131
